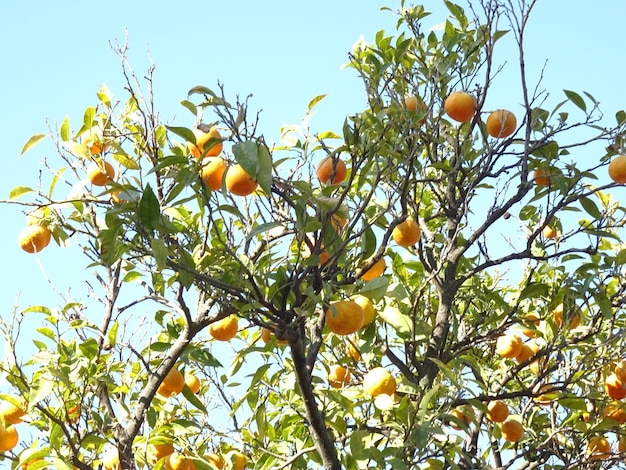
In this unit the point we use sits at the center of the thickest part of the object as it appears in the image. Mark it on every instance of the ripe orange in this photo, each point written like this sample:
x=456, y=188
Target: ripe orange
x=334, y=167
x=239, y=182
x=267, y=334
x=94, y=141
x=509, y=346
x=202, y=138
x=344, y=317
x=213, y=172
x=528, y=350
x=377, y=269
x=178, y=461
x=617, y=169
x=460, y=106
x=193, y=382
x=410, y=101
x=100, y=172
x=173, y=383
x=501, y=123
x=8, y=438
x=11, y=413
x=338, y=376
x=574, y=316
x=224, y=329
x=498, y=411
x=615, y=410
x=542, y=177
x=550, y=233
x=463, y=414
x=237, y=459
x=216, y=459
x=324, y=255
x=378, y=381
x=620, y=370
x=544, y=394
x=614, y=387
x=368, y=308
x=598, y=448
x=157, y=452
x=34, y=238
x=407, y=233
x=512, y=430
x=531, y=320
x=353, y=351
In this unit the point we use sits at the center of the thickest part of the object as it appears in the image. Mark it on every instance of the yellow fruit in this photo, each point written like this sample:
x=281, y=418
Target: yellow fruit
x=344, y=317
x=498, y=411
x=8, y=438
x=213, y=172
x=34, y=238
x=192, y=382
x=238, y=182
x=331, y=167
x=99, y=173
x=615, y=410
x=617, y=169
x=216, y=459
x=509, y=346
x=512, y=430
x=460, y=106
x=377, y=269
x=11, y=413
x=172, y=384
x=338, y=376
x=407, y=233
x=533, y=321
x=202, y=138
x=574, y=315
x=501, y=123
x=157, y=452
x=598, y=448
x=353, y=351
x=528, y=350
x=378, y=381
x=550, y=233
x=463, y=414
x=224, y=329
x=368, y=308
x=178, y=461
x=237, y=459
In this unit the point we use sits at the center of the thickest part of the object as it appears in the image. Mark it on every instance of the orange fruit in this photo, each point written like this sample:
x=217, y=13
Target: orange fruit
x=157, y=452
x=462, y=414
x=344, y=317
x=34, y=238
x=410, y=102
x=27, y=457
x=512, y=430
x=172, y=384
x=94, y=141
x=237, y=459
x=193, y=382
x=378, y=381
x=213, y=172
x=73, y=414
x=620, y=370
x=533, y=321
x=178, y=461
x=8, y=438
x=498, y=411
x=550, y=233
x=368, y=308
x=574, y=316
x=528, y=350
x=542, y=177
x=509, y=346
x=202, y=138
x=501, y=123
x=267, y=334
x=598, y=448
x=617, y=169
x=353, y=351
x=238, y=182
x=216, y=459
x=614, y=387
x=377, y=269
x=544, y=394
x=324, y=255
x=338, y=376
x=11, y=413
x=224, y=329
x=460, y=106
x=615, y=410
x=407, y=233
x=100, y=172
x=331, y=167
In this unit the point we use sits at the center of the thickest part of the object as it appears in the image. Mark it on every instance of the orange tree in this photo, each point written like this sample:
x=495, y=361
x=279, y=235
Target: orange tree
x=204, y=341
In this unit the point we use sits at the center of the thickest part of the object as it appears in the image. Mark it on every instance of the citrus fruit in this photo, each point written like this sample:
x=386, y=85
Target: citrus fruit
x=197, y=149
x=213, y=172
x=224, y=329
x=193, y=382
x=100, y=172
x=614, y=387
x=512, y=430
x=460, y=106
x=620, y=370
x=73, y=414
x=462, y=414
x=237, y=459
x=407, y=233
x=378, y=381
x=172, y=384
x=501, y=123
x=615, y=410
x=528, y=350
x=178, y=461
x=509, y=346
x=598, y=448
x=498, y=411
x=28, y=457
x=94, y=141
x=344, y=317
x=159, y=451
x=11, y=413
x=549, y=233
x=353, y=351
x=368, y=308
x=338, y=376
x=542, y=177
x=267, y=335
x=331, y=167
x=574, y=316
x=8, y=438
x=34, y=238
x=238, y=182
x=532, y=322
x=410, y=102
x=377, y=269
x=216, y=459
x=617, y=169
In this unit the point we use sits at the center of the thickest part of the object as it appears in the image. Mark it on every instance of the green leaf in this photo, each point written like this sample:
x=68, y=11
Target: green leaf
x=112, y=334
x=620, y=117
x=88, y=117
x=247, y=155
x=590, y=207
x=190, y=106
x=376, y=288
x=264, y=169
x=534, y=290
x=183, y=132
x=64, y=132
x=394, y=317
x=576, y=99
x=149, y=209
x=104, y=95
x=316, y=100
x=32, y=142
x=201, y=90
x=159, y=251
x=89, y=348
x=40, y=388
x=19, y=191
x=126, y=161
x=193, y=399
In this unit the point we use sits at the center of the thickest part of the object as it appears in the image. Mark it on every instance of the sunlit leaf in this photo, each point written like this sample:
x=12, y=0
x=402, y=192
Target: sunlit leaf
x=315, y=101
x=64, y=131
x=32, y=142
x=19, y=191
x=105, y=95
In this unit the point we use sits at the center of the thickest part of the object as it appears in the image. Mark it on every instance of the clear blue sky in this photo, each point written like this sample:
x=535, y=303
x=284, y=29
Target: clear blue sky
x=55, y=56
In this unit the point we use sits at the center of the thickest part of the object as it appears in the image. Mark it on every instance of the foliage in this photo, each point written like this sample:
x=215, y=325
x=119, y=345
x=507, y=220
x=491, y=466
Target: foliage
x=172, y=257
